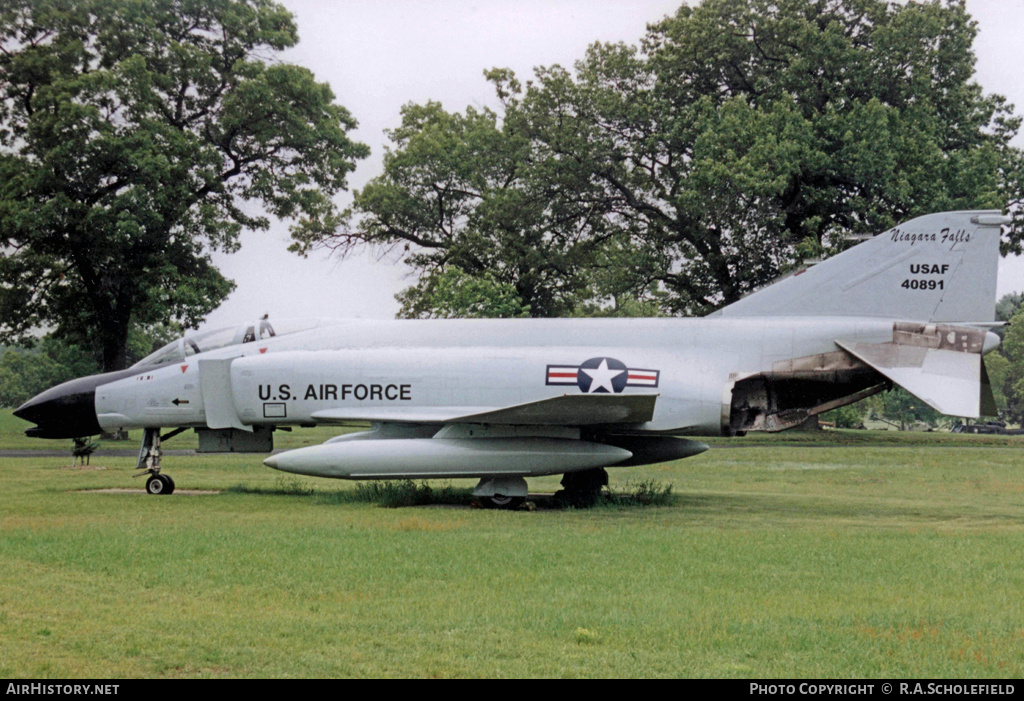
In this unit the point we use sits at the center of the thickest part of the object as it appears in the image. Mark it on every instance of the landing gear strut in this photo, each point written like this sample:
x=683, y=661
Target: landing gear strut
x=149, y=463
x=582, y=488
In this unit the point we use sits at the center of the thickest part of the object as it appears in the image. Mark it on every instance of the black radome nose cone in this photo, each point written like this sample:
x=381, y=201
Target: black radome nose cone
x=68, y=410
x=64, y=411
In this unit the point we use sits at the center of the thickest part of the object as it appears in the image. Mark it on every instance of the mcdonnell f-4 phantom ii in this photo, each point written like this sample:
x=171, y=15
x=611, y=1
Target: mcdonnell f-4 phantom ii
x=503, y=400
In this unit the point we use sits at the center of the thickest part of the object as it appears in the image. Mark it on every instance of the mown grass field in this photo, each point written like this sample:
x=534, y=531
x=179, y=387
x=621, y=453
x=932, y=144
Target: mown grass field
x=825, y=555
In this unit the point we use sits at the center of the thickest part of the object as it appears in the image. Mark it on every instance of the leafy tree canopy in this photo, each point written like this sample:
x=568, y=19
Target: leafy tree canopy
x=133, y=133
x=1008, y=305
x=686, y=171
x=902, y=407
x=452, y=294
x=1007, y=375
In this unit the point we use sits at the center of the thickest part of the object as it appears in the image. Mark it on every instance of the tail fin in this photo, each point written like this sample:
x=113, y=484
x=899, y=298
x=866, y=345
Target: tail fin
x=937, y=268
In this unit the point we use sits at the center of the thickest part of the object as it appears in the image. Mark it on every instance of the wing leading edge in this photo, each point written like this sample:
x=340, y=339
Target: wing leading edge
x=565, y=410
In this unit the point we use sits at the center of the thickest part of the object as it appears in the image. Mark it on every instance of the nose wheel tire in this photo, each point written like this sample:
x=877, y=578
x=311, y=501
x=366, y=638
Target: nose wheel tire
x=160, y=484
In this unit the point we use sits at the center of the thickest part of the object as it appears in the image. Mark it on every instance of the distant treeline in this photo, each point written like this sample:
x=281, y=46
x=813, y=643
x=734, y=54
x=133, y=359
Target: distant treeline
x=25, y=372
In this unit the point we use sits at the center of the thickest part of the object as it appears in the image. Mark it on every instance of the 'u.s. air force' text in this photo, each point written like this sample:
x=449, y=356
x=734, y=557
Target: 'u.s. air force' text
x=324, y=392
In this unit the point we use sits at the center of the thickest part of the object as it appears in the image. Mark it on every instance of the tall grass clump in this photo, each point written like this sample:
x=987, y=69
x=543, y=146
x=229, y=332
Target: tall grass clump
x=388, y=494
x=398, y=494
x=641, y=493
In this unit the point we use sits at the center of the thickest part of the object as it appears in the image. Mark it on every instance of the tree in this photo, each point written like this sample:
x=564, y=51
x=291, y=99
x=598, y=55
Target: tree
x=1008, y=305
x=697, y=166
x=456, y=193
x=900, y=406
x=133, y=136
x=1010, y=376
x=452, y=294
x=849, y=416
x=25, y=372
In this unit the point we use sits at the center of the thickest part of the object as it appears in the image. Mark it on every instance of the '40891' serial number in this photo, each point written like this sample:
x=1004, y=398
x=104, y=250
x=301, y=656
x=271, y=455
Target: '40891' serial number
x=922, y=284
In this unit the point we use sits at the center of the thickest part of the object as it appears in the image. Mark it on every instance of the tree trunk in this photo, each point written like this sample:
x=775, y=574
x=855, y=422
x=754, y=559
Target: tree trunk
x=115, y=341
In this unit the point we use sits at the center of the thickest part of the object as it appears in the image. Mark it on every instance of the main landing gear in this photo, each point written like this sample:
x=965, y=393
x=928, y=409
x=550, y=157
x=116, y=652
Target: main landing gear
x=581, y=489
x=149, y=461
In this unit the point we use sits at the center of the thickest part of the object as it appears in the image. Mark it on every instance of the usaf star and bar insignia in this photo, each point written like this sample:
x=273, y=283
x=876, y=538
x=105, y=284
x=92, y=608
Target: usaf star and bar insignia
x=601, y=375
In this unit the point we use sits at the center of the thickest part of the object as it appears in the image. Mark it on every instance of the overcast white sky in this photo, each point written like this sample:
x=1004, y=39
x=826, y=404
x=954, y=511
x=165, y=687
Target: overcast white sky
x=380, y=54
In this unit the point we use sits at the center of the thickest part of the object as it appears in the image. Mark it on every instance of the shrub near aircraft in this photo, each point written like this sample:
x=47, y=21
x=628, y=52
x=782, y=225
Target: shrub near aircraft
x=503, y=400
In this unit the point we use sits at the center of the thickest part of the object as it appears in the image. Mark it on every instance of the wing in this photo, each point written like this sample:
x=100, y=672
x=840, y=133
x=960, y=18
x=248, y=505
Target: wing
x=517, y=440
x=566, y=410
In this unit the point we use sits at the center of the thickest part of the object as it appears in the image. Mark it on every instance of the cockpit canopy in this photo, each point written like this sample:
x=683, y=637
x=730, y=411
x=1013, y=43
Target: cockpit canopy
x=212, y=339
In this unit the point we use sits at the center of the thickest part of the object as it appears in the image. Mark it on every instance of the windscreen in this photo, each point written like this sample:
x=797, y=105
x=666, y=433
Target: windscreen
x=211, y=339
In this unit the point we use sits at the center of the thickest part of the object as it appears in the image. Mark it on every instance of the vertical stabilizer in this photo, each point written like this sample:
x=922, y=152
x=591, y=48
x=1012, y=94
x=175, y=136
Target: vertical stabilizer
x=939, y=268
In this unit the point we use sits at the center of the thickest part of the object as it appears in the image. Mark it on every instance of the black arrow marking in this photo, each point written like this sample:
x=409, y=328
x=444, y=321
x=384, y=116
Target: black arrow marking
x=179, y=402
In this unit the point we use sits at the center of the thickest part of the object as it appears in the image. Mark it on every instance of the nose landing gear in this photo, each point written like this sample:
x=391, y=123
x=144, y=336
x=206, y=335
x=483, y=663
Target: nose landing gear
x=149, y=462
x=160, y=484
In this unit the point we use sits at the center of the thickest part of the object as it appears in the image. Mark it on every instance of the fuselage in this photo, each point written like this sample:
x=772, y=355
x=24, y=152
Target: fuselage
x=402, y=366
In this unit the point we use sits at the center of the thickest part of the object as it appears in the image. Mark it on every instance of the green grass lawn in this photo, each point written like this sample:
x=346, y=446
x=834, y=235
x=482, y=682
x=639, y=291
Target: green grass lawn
x=824, y=556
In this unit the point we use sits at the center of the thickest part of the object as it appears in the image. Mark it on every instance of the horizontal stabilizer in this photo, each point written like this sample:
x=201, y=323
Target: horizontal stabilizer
x=566, y=410
x=941, y=365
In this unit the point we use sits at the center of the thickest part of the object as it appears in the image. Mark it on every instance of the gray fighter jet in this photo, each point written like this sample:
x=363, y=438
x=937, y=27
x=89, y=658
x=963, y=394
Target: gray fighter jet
x=502, y=400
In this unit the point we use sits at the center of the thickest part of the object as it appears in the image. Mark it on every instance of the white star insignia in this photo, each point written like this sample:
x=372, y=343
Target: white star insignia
x=601, y=377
